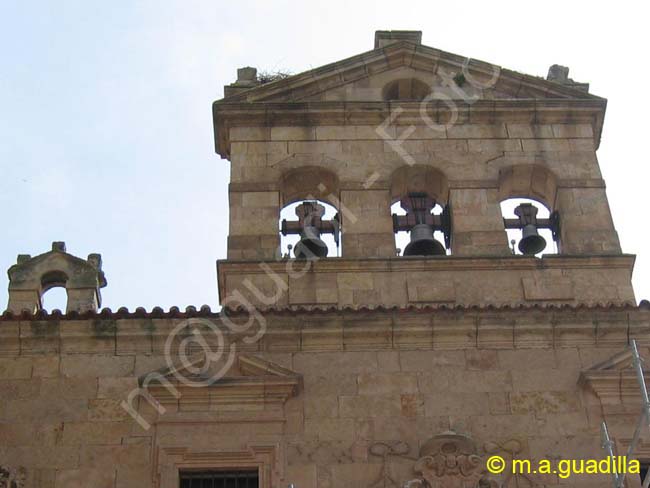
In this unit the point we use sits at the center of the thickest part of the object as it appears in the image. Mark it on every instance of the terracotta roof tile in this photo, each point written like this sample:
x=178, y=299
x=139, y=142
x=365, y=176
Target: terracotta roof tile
x=206, y=311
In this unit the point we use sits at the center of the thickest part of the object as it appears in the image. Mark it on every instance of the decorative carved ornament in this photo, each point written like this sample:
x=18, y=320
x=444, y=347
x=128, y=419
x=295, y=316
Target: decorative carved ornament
x=12, y=477
x=451, y=460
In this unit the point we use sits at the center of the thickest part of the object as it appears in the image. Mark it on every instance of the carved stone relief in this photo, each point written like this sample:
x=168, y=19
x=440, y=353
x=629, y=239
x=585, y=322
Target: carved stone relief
x=451, y=460
x=12, y=477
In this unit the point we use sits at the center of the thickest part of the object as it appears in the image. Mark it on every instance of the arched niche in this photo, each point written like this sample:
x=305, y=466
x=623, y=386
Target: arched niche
x=309, y=183
x=528, y=181
x=419, y=179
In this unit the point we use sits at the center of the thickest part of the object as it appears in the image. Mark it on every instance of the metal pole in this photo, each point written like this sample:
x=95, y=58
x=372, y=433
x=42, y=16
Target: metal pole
x=637, y=363
x=607, y=444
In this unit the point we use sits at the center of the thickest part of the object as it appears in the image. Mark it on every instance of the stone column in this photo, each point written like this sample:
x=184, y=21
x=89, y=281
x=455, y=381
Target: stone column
x=586, y=222
x=367, y=224
x=477, y=223
x=254, y=225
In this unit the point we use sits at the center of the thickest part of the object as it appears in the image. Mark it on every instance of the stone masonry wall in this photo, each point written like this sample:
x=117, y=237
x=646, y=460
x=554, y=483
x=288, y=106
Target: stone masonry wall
x=392, y=378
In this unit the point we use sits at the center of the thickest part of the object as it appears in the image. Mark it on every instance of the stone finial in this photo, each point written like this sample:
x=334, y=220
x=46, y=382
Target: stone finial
x=247, y=75
x=246, y=78
x=560, y=74
x=31, y=277
x=58, y=246
x=384, y=38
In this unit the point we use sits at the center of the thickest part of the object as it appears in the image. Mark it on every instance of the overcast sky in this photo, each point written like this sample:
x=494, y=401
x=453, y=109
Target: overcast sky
x=106, y=128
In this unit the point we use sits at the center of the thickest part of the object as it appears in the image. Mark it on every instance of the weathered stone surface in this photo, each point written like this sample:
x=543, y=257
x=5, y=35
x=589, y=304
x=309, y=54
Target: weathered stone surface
x=364, y=360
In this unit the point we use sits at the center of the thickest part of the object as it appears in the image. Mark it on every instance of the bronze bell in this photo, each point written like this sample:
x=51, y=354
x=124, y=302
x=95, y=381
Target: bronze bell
x=422, y=242
x=310, y=245
x=531, y=242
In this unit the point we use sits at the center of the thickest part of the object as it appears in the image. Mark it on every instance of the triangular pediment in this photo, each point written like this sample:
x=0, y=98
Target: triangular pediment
x=365, y=77
x=232, y=379
x=615, y=380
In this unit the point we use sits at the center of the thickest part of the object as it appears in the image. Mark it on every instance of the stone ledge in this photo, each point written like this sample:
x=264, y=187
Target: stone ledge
x=421, y=328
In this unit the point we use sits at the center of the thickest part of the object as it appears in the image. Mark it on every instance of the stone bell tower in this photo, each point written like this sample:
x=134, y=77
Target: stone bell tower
x=408, y=123
x=362, y=366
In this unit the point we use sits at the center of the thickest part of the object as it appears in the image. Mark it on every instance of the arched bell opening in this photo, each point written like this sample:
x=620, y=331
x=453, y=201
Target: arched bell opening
x=532, y=228
x=309, y=222
x=310, y=229
x=54, y=295
x=422, y=226
x=421, y=214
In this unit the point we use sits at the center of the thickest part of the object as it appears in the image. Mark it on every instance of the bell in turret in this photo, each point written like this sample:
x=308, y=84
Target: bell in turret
x=531, y=242
x=422, y=242
x=310, y=245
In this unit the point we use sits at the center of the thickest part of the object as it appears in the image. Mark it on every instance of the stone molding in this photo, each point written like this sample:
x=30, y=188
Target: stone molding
x=267, y=459
x=229, y=115
x=428, y=328
x=614, y=381
x=263, y=383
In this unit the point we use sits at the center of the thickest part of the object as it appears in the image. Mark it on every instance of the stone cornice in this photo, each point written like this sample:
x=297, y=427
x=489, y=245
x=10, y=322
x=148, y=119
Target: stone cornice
x=523, y=111
x=439, y=263
x=427, y=327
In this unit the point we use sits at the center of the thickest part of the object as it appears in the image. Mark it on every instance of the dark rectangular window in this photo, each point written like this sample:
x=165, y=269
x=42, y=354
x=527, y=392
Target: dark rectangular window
x=219, y=479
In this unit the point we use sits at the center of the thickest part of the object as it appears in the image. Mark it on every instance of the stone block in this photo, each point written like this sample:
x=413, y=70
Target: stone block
x=43, y=457
x=19, y=389
x=543, y=380
x=9, y=339
x=122, y=456
x=321, y=407
x=421, y=288
x=38, y=337
x=369, y=406
x=250, y=134
x=481, y=359
x=260, y=199
x=93, y=336
x=412, y=405
x=469, y=131
x=387, y=383
x=367, y=335
x=53, y=410
x=527, y=131
x=94, y=433
x=452, y=403
x=573, y=131
x=539, y=145
x=328, y=429
x=45, y=366
x=97, y=366
x=106, y=410
x=326, y=363
x=544, y=402
x=494, y=145
x=117, y=388
x=135, y=336
x=15, y=368
x=430, y=361
x=293, y=133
